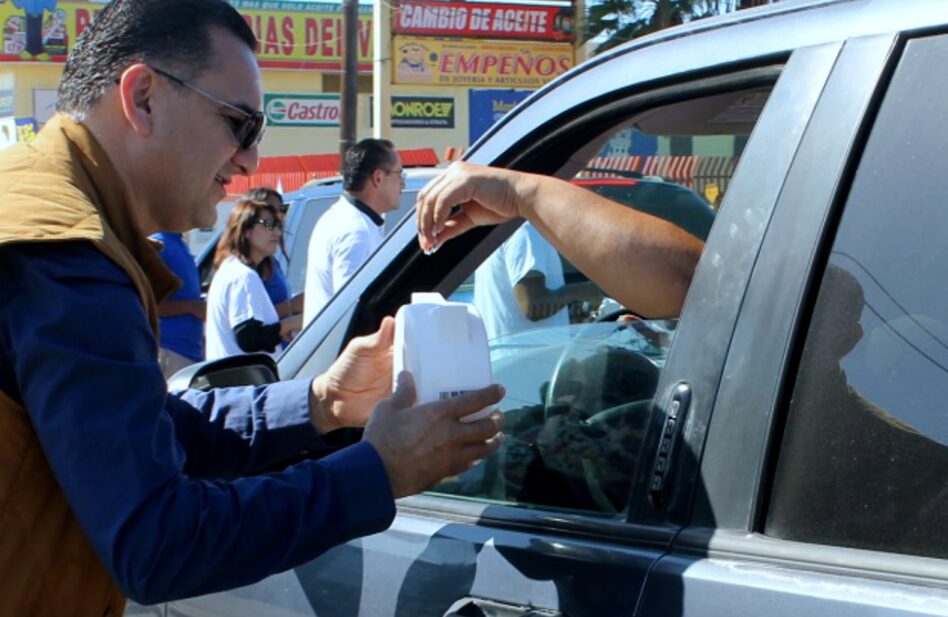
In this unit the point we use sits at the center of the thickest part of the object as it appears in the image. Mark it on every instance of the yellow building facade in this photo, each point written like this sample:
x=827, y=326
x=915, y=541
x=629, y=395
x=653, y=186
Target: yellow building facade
x=443, y=104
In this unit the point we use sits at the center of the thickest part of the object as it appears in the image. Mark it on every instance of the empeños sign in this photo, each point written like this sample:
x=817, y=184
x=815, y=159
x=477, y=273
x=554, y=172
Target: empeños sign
x=475, y=63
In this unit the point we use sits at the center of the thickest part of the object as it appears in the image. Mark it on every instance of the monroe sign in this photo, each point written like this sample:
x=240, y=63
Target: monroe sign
x=302, y=109
x=483, y=20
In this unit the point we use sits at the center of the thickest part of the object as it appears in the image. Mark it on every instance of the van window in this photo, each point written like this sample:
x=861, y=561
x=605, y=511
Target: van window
x=579, y=368
x=863, y=461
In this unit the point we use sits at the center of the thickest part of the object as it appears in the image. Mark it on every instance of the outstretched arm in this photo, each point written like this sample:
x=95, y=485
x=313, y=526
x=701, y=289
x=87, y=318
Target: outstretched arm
x=642, y=261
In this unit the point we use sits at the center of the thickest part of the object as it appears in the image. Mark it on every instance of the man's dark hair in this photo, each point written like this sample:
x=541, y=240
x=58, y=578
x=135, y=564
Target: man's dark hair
x=171, y=34
x=364, y=158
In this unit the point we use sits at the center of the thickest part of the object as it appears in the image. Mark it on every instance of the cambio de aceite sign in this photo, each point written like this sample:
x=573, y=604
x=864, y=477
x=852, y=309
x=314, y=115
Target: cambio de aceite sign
x=311, y=110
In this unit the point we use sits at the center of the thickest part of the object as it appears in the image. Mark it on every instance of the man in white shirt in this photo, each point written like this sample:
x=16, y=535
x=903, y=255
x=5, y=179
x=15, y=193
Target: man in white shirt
x=521, y=286
x=350, y=231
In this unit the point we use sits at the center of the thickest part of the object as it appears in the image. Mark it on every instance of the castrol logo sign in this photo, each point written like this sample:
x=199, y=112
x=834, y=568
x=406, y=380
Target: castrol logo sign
x=302, y=109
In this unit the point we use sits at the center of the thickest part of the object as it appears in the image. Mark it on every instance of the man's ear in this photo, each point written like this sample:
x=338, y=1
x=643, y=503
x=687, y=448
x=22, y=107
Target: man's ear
x=377, y=178
x=136, y=91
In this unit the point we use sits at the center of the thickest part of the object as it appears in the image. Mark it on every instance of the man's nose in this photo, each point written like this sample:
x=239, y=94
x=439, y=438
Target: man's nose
x=247, y=160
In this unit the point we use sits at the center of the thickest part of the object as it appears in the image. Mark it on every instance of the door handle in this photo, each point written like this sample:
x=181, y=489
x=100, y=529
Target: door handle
x=480, y=607
x=671, y=429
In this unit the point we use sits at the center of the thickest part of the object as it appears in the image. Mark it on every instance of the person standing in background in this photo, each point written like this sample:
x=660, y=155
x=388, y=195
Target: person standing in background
x=278, y=288
x=182, y=315
x=350, y=231
x=521, y=286
x=241, y=317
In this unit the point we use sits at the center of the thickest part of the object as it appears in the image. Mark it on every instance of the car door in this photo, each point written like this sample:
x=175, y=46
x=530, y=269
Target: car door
x=562, y=521
x=823, y=486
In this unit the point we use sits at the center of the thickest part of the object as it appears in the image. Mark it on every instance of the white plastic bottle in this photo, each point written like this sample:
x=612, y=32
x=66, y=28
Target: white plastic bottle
x=444, y=347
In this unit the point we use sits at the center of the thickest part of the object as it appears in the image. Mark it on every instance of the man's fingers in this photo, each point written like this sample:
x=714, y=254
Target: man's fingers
x=404, y=395
x=380, y=340
x=454, y=227
x=473, y=401
x=425, y=214
x=467, y=455
x=384, y=337
x=481, y=430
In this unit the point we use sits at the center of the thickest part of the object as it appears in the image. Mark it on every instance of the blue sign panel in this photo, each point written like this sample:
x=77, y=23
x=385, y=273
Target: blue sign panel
x=488, y=106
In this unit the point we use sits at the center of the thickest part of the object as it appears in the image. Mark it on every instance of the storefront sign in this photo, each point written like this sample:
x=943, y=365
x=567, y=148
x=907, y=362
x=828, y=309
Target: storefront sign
x=483, y=20
x=473, y=63
x=302, y=109
x=299, y=35
x=296, y=35
x=433, y=112
x=488, y=106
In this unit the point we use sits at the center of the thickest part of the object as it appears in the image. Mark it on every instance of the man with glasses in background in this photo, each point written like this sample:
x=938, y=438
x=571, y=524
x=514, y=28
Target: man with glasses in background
x=109, y=485
x=350, y=231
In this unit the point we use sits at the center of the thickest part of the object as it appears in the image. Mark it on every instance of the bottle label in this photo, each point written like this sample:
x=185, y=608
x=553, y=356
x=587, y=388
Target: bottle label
x=445, y=395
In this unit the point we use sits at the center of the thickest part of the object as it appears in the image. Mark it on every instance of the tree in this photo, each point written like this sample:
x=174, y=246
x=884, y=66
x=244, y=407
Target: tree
x=618, y=21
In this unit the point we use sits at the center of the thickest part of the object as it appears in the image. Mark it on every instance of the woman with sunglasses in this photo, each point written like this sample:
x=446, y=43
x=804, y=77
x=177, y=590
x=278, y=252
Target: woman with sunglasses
x=241, y=317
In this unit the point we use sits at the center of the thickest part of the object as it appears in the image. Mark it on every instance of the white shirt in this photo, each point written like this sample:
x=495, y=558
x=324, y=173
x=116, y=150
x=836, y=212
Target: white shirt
x=494, y=280
x=236, y=295
x=342, y=240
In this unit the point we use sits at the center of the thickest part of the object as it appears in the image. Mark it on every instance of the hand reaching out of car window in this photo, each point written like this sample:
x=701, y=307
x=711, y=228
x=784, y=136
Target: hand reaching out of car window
x=644, y=262
x=487, y=196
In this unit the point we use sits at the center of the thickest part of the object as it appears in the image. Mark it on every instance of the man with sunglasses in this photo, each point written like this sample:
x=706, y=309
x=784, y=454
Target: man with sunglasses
x=109, y=485
x=350, y=231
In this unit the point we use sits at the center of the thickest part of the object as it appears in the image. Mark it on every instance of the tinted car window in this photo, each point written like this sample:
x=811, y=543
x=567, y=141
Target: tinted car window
x=580, y=378
x=864, y=457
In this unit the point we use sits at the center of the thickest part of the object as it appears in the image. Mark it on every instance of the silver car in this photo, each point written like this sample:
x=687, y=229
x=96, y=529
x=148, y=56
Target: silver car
x=781, y=449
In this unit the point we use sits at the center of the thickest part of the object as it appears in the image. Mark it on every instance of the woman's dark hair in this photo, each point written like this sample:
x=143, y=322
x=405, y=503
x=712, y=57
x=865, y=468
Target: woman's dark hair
x=172, y=34
x=234, y=240
x=265, y=193
x=364, y=158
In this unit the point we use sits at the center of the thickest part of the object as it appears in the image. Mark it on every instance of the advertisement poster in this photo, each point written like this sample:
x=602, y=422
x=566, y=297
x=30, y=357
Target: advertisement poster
x=294, y=35
x=489, y=106
x=308, y=110
x=478, y=64
x=34, y=30
x=484, y=20
x=26, y=129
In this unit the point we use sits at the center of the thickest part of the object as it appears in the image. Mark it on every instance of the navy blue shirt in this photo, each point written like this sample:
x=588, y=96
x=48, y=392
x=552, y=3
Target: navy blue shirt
x=183, y=334
x=278, y=288
x=150, y=476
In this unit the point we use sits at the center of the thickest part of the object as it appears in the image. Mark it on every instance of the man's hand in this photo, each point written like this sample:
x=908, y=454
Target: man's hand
x=360, y=377
x=421, y=445
x=487, y=196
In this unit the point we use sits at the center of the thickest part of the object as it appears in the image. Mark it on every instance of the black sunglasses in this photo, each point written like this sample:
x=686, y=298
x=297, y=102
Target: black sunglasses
x=271, y=224
x=247, y=130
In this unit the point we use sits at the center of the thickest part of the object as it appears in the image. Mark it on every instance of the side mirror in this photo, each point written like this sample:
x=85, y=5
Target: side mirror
x=254, y=369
